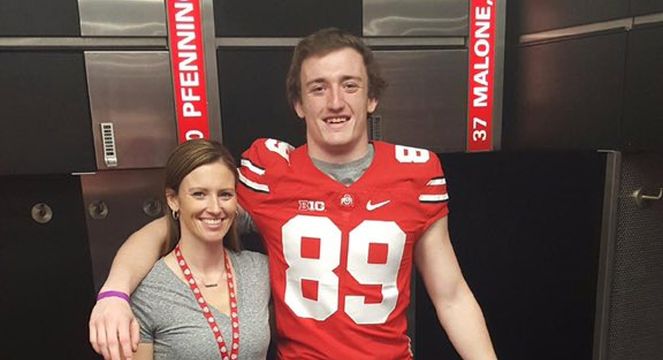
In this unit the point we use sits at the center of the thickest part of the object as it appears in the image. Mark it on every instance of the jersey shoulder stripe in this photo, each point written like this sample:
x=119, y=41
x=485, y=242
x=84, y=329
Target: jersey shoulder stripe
x=255, y=186
x=262, y=163
x=251, y=167
x=435, y=188
x=438, y=198
x=437, y=181
x=436, y=191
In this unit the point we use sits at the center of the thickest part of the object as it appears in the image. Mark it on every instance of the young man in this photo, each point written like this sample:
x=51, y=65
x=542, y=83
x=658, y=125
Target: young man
x=343, y=220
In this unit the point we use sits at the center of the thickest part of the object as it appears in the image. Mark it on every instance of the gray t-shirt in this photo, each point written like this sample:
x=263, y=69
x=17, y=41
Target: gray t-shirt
x=349, y=172
x=170, y=318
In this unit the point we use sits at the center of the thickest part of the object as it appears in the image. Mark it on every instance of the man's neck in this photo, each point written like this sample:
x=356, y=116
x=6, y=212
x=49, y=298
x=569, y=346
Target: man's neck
x=347, y=173
x=338, y=156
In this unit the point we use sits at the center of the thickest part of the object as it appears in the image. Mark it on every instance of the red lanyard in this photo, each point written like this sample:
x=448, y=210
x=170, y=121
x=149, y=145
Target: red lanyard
x=234, y=319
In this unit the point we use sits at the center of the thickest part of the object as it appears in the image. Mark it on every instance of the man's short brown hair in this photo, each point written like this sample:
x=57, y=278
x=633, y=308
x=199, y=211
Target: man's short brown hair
x=323, y=42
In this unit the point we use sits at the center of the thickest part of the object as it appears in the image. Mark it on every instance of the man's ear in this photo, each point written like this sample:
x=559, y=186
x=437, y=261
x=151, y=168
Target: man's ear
x=372, y=105
x=171, y=198
x=298, y=109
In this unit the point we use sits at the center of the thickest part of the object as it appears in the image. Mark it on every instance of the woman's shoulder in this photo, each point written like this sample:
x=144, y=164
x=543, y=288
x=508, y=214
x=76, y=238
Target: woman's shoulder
x=159, y=274
x=160, y=269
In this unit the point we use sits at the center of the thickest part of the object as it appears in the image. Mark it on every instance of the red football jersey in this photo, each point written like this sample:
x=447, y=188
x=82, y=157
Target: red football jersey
x=341, y=256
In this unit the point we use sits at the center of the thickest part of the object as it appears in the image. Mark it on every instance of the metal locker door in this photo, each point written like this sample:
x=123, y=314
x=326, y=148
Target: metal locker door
x=117, y=203
x=127, y=18
x=417, y=18
x=427, y=95
x=131, y=91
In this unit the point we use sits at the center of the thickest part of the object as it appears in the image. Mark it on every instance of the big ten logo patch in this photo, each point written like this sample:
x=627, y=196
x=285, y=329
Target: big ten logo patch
x=311, y=205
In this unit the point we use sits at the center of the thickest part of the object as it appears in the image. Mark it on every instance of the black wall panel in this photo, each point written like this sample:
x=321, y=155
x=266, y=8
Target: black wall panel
x=39, y=18
x=285, y=18
x=568, y=94
x=253, y=100
x=643, y=113
x=541, y=15
x=644, y=7
x=526, y=228
x=45, y=113
x=45, y=271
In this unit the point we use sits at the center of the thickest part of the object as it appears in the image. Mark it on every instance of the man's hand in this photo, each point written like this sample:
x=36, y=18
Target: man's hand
x=114, y=332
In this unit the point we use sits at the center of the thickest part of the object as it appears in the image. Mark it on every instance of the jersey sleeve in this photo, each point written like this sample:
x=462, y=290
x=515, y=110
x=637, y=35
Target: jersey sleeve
x=259, y=170
x=433, y=195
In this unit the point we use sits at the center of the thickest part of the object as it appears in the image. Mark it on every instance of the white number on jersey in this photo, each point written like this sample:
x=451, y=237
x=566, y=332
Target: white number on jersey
x=321, y=270
x=312, y=269
x=383, y=232
x=407, y=154
x=279, y=147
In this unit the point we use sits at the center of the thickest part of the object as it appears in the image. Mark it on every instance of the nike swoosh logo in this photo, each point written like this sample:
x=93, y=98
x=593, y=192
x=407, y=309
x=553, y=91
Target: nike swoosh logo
x=371, y=207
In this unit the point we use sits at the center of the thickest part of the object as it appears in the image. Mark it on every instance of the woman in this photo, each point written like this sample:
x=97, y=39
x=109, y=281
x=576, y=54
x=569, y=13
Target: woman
x=205, y=299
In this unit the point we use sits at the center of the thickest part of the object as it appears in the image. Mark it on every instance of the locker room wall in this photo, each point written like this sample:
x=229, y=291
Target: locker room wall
x=643, y=115
x=597, y=87
x=584, y=88
x=526, y=228
x=566, y=99
x=541, y=15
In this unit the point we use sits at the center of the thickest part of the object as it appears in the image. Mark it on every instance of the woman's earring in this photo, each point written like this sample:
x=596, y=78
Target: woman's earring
x=175, y=214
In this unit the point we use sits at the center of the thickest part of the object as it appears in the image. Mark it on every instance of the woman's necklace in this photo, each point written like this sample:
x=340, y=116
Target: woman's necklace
x=207, y=313
x=210, y=285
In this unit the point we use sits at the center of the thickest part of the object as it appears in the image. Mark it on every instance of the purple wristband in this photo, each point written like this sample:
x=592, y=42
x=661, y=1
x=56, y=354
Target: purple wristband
x=113, y=293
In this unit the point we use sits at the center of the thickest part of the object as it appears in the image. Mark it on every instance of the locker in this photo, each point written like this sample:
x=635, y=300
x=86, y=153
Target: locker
x=43, y=101
x=45, y=272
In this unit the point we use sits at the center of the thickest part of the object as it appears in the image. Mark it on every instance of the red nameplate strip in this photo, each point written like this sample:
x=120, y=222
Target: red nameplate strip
x=187, y=61
x=481, y=75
